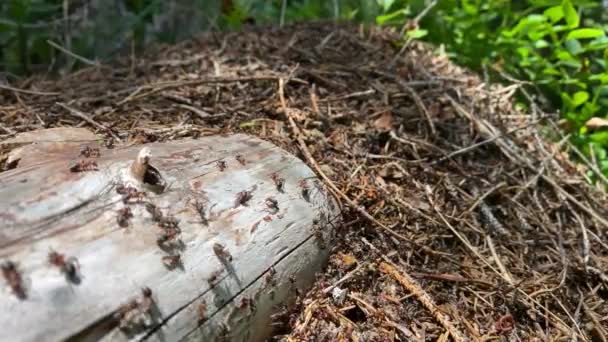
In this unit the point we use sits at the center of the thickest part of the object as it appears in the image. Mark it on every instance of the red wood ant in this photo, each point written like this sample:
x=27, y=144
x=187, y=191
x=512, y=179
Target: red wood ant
x=172, y=261
x=305, y=189
x=221, y=164
x=90, y=152
x=68, y=266
x=202, y=312
x=273, y=204
x=124, y=215
x=242, y=198
x=13, y=278
x=221, y=252
x=240, y=159
x=133, y=312
x=278, y=181
x=129, y=192
x=84, y=165
x=167, y=235
x=157, y=214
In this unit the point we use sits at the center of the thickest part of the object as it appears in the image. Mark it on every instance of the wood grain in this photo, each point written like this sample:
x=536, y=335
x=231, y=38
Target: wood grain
x=44, y=206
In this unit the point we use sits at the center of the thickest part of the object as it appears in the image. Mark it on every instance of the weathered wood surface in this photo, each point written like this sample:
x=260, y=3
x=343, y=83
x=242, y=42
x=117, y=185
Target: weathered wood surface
x=44, y=206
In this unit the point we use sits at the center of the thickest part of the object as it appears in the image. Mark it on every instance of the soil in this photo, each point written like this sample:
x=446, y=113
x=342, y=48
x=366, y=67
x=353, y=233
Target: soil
x=465, y=218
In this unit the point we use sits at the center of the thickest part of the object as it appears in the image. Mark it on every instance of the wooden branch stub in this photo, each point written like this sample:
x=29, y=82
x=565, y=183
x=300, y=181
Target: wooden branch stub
x=157, y=243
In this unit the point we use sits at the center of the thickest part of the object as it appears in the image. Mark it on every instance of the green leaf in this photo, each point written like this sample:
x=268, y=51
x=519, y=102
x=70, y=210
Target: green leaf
x=386, y=4
x=415, y=34
x=585, y=33
x=382, y=19
x=603, y=78
x=600, y=137
x=574, y=47
x=555, y=13
x=541, y=43
x=470, y=8
x=570, y=14
x=579, y=98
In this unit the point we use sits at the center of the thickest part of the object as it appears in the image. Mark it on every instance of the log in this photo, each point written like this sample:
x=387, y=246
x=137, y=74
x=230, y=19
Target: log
x=192, y=240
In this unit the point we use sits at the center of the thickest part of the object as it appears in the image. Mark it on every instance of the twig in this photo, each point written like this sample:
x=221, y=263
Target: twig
x=201, y=113
x=8, y=130
x=31, y=92
x=481, y=143
x=411, y=285
x=423, y=109
x=158, y=86
x=482, y=197
x=498, y=261
x=345, y=278
x=350, y=96
x=86, y=118
x=72, y=54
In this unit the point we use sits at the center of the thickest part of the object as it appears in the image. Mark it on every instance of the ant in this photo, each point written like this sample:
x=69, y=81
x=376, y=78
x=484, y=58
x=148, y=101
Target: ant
x=221, y=164
x=13, y=278
x=242, y=198
x=269, y=277
x=167, y=235
x=157, y=214
x=221, y=252
x=89, y=152
x=172, y=261
x=278, y=181
x=200, y=207
x=124, y=215
x=129, y=193
x=202, y=312
x=68, y=266
x=305, y=189
x=84, y=165
x=135, y=309
x=168, y=222
x=272, y=204
x=318, y=233
x=240, y=159
x=213, y=278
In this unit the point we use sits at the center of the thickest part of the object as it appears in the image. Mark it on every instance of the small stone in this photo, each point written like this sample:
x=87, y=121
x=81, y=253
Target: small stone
x=338, y=295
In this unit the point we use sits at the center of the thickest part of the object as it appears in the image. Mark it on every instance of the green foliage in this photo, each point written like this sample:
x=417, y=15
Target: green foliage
x=559, y=45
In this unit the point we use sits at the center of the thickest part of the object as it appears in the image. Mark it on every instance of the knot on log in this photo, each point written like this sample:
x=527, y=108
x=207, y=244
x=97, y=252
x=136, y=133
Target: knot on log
x=144, y=173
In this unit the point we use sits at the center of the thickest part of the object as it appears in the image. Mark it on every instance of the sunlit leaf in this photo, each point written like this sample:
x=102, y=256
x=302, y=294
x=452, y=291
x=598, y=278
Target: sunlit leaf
x=570, y=14
x=585, y=33
x=579, y=98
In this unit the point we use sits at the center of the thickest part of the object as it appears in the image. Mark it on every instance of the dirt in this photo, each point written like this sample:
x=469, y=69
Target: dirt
x=465, y=218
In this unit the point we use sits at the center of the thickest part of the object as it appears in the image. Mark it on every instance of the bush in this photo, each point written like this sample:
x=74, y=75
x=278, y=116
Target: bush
x=558, y=45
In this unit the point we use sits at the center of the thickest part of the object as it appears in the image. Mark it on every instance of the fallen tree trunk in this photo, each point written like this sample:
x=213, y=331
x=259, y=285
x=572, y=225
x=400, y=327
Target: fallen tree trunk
x=189, y=240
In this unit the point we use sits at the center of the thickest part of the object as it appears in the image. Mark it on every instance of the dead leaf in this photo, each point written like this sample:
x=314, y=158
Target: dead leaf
x=343, y=260
x=595, y=123
x=384, y=122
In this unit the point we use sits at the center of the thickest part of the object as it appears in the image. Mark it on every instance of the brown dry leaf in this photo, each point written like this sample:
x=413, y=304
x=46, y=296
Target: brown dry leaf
x=384, y=122
x=595, y=123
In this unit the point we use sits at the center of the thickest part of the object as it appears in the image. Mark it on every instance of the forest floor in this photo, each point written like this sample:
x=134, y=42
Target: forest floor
x=461, y=219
